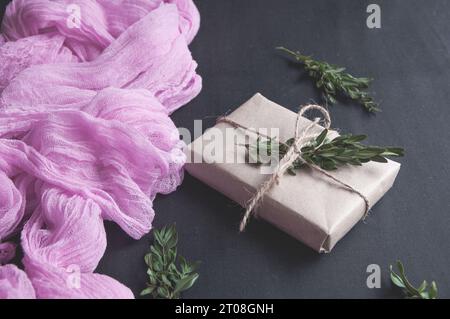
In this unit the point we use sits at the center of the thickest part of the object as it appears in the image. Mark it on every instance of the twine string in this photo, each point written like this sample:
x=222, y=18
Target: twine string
x=302, y=137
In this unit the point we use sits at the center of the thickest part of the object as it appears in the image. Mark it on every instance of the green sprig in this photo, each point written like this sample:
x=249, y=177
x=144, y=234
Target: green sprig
x=166, y=280
x=332, y=80
x=423, y=292
x=328, y=155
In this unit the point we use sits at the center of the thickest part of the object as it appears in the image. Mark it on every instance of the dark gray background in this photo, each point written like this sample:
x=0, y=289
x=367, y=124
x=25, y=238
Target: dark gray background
x=409, y=57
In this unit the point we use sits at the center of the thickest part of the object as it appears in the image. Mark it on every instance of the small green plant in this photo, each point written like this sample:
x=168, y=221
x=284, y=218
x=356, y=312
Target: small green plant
x=166, y=279
x=423, y=292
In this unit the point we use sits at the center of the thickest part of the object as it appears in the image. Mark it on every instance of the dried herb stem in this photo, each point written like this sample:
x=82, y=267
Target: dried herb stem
x=327, y=154
x=333, y=80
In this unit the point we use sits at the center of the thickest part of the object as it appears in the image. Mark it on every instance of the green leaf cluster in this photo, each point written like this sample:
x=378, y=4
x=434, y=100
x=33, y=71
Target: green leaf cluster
x=166, y=279
x=328, y=155
x=333, y=80
x=423, y=292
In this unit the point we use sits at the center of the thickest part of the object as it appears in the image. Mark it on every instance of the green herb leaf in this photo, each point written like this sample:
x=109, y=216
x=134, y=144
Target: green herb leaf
x=147, y=291
x=433, y=291
x=396, y=280
x=186, y=283
x=321, y=137
x=423, y=286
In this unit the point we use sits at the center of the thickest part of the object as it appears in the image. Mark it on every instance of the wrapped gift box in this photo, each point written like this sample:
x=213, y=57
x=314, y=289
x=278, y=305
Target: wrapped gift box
x=308, y=206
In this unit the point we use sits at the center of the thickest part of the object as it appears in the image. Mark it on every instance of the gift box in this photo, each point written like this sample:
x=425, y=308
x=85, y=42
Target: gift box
x=309, y=206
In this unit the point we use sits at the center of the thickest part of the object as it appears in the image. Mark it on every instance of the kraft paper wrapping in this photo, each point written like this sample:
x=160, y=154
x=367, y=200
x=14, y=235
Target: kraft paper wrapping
x=308, y=206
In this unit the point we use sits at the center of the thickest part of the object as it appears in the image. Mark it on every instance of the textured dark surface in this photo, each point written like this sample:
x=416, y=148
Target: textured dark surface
x=409, y=57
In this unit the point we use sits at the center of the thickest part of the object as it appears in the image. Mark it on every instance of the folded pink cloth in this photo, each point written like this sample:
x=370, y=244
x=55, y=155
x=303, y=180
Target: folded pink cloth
x=85, y=132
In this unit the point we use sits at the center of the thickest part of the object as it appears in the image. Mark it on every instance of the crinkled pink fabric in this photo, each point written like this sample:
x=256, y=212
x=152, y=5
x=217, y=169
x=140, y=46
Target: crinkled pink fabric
x=14, y=284
x=85, y=133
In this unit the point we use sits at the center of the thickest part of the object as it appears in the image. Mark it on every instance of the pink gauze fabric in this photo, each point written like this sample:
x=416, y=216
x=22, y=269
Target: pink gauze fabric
x=85, y=133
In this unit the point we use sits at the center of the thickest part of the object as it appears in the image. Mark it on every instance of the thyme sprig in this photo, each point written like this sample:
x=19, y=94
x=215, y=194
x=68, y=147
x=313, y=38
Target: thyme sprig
x=166, y=279
x=327, y=154
x=333, y=80
x=423, y=292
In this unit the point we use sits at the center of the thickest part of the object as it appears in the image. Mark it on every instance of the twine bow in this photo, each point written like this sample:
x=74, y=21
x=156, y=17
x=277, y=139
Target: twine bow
x=302, y=137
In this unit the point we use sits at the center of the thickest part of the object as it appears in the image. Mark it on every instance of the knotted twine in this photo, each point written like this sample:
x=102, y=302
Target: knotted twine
x=301, y=139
